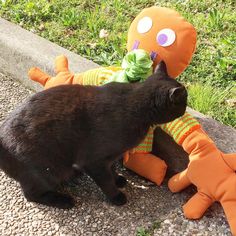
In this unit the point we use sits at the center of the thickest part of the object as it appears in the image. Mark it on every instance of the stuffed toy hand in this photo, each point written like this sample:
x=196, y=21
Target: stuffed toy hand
x=63, y=76
x=212, y=172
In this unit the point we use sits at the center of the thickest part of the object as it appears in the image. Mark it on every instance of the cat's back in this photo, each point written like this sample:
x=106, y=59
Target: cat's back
x=48, y=106
x=60, y=100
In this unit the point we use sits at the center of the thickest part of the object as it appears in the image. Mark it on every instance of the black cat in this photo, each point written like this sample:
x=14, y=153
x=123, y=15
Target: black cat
x=73, y=127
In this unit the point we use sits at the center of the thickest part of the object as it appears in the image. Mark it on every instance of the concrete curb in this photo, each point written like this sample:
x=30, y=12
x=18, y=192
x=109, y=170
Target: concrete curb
x=21, y=49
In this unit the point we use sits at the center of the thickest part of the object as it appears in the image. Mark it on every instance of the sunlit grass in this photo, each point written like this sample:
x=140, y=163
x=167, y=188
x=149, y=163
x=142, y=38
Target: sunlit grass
x=75, y=25
x=213, y=102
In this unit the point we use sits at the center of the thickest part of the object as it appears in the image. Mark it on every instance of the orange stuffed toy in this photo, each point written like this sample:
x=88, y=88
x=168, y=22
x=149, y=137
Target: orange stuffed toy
x=163, y=34
x=213, y=173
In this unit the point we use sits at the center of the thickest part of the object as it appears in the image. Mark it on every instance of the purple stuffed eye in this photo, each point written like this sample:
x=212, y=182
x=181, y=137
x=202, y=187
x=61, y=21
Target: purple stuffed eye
x=166, y=37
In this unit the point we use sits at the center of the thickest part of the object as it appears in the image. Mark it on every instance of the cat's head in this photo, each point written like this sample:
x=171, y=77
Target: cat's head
x=170, y=96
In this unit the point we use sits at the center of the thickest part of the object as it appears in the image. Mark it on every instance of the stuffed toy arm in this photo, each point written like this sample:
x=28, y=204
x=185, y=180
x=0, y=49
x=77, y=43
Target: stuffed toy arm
x=63, y=75
x=210, y=170
x=136, y=66
x=96, y=76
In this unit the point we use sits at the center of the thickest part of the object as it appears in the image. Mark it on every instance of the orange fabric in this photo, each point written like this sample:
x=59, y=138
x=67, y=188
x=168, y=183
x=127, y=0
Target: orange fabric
x=188, y=133
x=178, y=55
x=146, y=165
x=61, y=64
x=39, y=76
x=212, y=172
x=63, y=75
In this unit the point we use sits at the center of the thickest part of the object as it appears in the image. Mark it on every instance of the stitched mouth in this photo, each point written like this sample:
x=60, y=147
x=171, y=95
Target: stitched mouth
x=153, y=55
x=136, y=44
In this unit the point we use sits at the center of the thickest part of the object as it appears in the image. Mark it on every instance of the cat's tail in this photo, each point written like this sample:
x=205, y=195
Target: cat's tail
x=1, y=152
x=10, y=165
x=4, y=158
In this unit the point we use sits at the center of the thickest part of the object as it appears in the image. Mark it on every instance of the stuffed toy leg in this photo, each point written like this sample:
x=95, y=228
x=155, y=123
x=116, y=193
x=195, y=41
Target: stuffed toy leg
x=141, y=160
x=210, y=170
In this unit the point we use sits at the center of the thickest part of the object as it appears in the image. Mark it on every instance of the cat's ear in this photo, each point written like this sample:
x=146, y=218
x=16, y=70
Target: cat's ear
x=161, y=68
x=177, y=94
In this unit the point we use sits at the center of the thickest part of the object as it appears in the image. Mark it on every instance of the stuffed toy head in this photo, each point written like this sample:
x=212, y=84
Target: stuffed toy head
x=165, y=35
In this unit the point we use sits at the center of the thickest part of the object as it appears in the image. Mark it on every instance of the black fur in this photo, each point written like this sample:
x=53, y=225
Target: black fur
x=83, y=128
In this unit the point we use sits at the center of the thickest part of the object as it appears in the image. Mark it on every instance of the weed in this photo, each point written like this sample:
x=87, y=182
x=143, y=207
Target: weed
x=216, y=18
x=142, y=232
x=212, y=101
x=70, y=18
x=148, y=231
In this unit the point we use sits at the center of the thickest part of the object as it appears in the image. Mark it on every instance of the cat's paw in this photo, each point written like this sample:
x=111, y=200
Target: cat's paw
x=65, y=202
x=121, y=181
x=59, y=200
x=119, y=199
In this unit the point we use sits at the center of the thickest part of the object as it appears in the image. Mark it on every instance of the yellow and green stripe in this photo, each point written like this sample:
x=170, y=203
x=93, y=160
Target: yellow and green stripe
x=146, y=145
x=98, y=76
x=180, y=128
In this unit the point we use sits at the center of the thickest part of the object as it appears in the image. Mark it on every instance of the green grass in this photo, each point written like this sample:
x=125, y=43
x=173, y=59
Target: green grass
x=142, y=232
x=148, y=231
x=75, y=25
x=212, y=101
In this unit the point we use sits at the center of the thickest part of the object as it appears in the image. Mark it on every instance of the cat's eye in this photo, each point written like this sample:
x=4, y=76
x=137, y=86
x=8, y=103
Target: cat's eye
x=166, y=37
x=144, y=25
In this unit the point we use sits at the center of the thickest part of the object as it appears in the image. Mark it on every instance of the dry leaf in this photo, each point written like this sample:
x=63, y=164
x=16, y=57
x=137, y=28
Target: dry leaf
x=231, y=102
x=92, y=45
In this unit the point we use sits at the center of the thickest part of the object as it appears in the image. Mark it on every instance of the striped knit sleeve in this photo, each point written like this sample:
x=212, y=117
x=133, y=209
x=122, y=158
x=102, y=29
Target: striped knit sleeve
x=181, y=127
x=97, y=76
x=146, y=145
